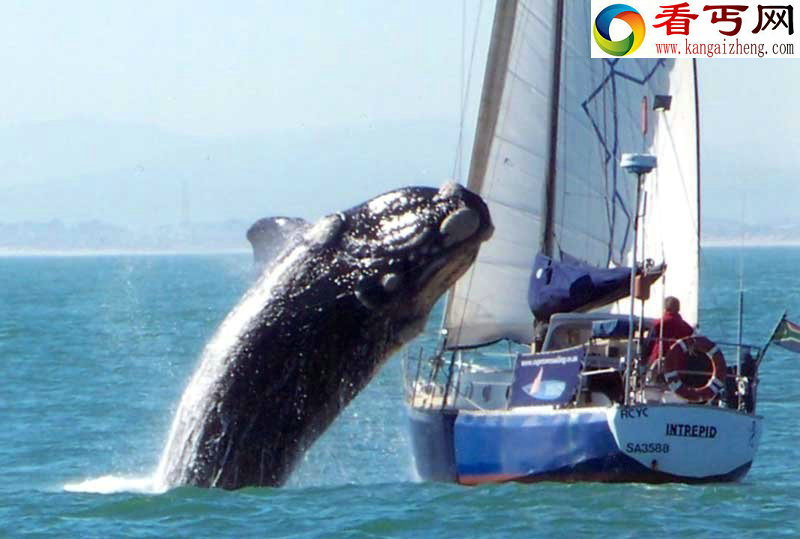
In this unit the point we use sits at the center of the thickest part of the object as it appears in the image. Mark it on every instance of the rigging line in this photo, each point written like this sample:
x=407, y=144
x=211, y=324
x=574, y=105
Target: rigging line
x=466, y=84
x=465, y=90
x=514, y=44
x=698, y=168
x=471, y=64
x=611, y=153
x=681, y=176
x=662, y=218
x=604, y=159
x=640, y=81
x=460, y=144
x=741, y=235
x=465, y=300
x=550, y=186
x=497, y=65
x=562, y=126
x=616, y=195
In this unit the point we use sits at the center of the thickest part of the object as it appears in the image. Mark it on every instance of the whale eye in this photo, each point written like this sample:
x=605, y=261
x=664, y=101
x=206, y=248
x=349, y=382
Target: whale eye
x=369, y=292
x=390, y=282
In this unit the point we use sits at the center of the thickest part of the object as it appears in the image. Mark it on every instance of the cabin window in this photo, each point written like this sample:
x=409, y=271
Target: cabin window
x=567, y=336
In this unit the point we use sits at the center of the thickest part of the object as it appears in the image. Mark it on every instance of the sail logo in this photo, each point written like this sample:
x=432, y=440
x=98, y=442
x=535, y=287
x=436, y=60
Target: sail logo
x=602, y=27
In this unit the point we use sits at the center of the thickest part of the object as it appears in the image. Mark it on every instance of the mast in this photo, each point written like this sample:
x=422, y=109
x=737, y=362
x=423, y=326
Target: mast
x=640, y=165
x=550, y=186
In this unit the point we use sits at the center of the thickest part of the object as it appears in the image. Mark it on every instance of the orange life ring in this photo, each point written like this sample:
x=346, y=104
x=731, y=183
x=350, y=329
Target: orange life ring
x=677, y=360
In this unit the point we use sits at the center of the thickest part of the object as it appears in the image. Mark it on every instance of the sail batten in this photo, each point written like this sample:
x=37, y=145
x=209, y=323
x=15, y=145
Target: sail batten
x=552, y=125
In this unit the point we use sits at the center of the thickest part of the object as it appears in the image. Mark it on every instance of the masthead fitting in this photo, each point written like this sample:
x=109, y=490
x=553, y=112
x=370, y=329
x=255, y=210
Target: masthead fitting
x=638, y=163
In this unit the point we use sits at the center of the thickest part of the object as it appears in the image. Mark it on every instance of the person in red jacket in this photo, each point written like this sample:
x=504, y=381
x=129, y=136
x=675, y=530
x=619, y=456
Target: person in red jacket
x=668, y=329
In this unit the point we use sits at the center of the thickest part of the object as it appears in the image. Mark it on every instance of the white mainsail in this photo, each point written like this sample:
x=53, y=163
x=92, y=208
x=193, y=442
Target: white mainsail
x=552, y=125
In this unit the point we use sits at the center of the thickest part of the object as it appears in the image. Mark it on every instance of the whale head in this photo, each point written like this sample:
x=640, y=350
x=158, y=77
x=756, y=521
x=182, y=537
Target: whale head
x=404, y=249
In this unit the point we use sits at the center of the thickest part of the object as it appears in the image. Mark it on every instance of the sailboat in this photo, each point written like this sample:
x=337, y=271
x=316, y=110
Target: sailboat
x=542, y=369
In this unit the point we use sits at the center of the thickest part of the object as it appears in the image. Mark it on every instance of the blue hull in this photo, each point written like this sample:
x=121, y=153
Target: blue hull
x=432, y=444
x=474, y=448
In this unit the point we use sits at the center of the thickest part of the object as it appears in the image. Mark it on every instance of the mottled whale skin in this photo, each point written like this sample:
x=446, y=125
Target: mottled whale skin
x=270, y=235
x=357, y=287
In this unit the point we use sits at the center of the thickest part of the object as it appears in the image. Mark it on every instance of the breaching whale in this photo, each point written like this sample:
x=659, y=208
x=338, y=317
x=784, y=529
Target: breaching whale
x=270, y=235
x=314, y=330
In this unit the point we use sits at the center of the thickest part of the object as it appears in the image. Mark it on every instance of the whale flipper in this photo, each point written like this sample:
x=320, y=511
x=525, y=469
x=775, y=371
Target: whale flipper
x=270, y=235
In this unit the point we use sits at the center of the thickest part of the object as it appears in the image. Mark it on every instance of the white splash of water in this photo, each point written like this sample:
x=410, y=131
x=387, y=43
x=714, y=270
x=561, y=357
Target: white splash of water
x=111, y=484
x=195, y=402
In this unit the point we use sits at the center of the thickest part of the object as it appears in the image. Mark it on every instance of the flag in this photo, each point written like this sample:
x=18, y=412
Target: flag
x=787, y=335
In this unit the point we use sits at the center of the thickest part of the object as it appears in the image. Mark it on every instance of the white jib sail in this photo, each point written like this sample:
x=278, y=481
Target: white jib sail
x=508, y=169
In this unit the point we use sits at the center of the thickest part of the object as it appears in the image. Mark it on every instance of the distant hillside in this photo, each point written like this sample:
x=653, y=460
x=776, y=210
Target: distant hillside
x=143, y=177
x=55, y=236
x=724, y=232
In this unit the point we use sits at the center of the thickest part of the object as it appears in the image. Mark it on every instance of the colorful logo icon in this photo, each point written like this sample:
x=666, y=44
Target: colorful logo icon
x=602, y=23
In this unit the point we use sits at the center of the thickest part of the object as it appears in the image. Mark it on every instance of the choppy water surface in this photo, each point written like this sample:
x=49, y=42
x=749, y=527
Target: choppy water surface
x=96, y=351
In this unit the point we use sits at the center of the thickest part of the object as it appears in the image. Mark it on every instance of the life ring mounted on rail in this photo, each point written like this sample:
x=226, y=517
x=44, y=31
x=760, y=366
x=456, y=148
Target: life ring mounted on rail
x=677, y=362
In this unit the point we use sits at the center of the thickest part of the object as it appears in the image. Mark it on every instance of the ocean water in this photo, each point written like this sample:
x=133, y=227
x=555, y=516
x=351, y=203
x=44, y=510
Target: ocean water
x=96, y=351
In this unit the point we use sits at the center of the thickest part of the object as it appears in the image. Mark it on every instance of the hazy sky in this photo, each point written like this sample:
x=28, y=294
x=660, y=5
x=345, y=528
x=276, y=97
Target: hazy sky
x=750, y=135
x=221, y=68
x=97, y=89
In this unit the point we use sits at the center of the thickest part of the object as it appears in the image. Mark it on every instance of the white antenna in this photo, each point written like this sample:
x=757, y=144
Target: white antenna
x=741, y=296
